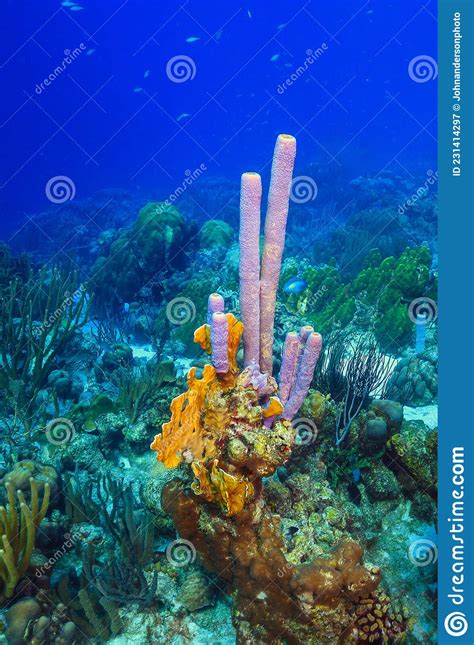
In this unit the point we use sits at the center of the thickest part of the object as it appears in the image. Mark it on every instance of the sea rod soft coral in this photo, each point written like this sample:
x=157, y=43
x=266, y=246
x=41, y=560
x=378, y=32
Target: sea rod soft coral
x=233, y=427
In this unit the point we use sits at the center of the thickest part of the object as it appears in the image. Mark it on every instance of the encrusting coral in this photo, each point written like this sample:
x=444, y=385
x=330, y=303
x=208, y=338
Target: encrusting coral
x=233, y=427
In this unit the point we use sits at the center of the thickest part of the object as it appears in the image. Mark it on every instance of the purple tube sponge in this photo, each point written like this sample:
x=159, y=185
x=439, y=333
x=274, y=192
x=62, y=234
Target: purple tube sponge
x=275, y=230
x=249, y=264
x=220, y=342
x=214, y=303
x=289, y=363
x=304, y=376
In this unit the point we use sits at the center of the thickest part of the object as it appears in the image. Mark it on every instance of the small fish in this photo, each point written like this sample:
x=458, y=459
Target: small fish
x=274, y=58
x=68, y=3
x=146, y=74
x=283, y=24
x=192, y=39
x=218, y=34
x=294, y=285
x=126, y=307
x=249, y=13
x=356, y=475
x=182, y=116
x=138, y=89
x=89, y=52
x=76, y=7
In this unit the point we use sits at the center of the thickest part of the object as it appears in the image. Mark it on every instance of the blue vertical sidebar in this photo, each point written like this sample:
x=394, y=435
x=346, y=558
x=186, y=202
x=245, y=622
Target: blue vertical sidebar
x=456, y=321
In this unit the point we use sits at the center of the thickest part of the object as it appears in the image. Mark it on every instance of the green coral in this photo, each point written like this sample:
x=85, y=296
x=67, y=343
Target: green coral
x=378, y=298
x=381, y=483
x=216, y=232
x=414, y=450
x=153, y=243
x=158, y=233
x=87, y=415
x=322, y=283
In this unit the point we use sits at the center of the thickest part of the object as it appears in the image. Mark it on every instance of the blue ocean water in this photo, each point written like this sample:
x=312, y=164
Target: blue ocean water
x=113, y=118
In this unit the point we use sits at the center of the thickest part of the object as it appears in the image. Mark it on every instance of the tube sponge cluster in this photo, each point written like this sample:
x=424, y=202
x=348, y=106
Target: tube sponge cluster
x=258, y=286
x=299, y=365
x=233, y=426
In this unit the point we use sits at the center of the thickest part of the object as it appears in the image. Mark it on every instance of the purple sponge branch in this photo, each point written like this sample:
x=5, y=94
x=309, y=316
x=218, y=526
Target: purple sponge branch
x=288, y=365
x=311, y=352
x=249, y=265
x=304, y=332
x=215, y=303
x=275, y=229
x=220, y=342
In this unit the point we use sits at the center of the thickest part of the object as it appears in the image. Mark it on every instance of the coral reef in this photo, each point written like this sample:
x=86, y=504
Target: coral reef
x=287, y=490
x=151, y=247
x=233, y=429
x=377, y=299
x=215, y=232
x=273, y=599
x=39, y=318
x=414, y=380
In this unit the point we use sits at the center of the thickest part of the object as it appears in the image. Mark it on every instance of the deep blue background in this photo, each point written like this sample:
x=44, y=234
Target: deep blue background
x=356, y=109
